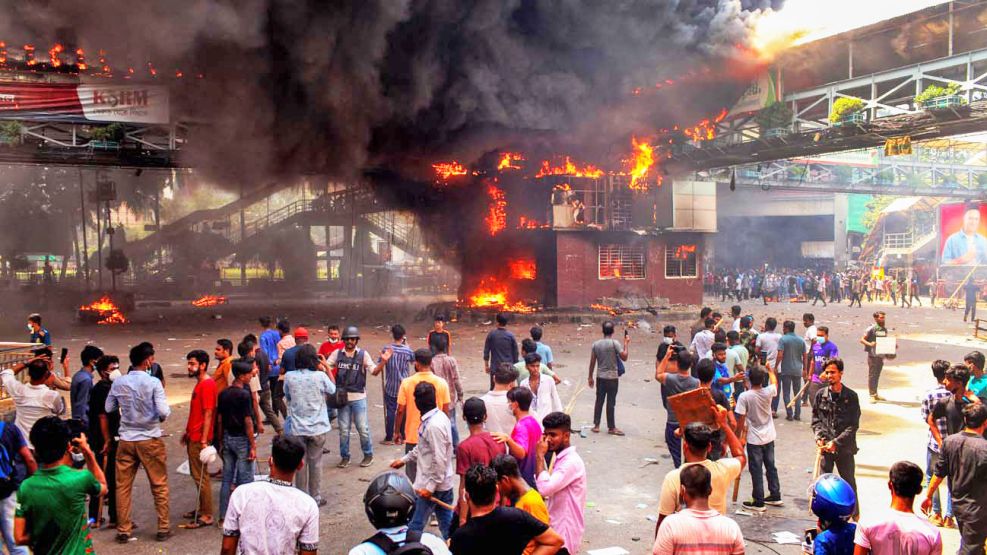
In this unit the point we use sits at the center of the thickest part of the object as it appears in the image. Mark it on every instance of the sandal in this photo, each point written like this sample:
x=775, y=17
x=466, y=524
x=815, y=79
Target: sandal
x=387, y=442
x=615, y=432
x=199, y=523
x=189, y=515
x=595, y=430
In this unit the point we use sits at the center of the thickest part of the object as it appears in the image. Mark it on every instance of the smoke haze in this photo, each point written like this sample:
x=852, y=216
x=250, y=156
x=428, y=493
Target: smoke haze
x=335, y=88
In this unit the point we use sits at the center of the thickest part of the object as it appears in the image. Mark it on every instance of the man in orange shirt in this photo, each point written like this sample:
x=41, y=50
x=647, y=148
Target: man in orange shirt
x=512, y=487
x=224, y=355
x=408, y=413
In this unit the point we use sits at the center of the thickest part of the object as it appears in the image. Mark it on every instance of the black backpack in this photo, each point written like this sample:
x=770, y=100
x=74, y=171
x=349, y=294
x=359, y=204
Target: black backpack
x=412, y=544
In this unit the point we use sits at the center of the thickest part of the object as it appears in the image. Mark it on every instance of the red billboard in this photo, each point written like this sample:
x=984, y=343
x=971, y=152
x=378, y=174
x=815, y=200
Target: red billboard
x=128, y=103
x=963, y=234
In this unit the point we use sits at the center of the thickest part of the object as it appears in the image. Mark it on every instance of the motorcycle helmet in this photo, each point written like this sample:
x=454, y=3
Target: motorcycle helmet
x=832, y=498
x=390, y=500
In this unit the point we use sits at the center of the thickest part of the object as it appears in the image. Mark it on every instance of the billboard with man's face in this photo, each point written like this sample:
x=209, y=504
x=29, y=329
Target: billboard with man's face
x=963, y=234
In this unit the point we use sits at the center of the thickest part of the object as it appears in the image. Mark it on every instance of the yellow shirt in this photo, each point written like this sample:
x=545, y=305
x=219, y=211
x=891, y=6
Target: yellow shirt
x=533, y=504
x=406, y=398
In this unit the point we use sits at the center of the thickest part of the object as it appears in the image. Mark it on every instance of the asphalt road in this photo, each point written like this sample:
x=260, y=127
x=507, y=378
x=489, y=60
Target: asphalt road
x=625, y=473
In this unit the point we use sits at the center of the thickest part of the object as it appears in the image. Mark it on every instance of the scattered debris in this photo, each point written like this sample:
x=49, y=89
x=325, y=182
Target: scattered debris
x=786, y=537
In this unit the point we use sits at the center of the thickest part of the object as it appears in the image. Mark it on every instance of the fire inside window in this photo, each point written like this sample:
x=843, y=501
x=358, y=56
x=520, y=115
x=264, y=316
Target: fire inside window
x=680, y=261
x=621, y=261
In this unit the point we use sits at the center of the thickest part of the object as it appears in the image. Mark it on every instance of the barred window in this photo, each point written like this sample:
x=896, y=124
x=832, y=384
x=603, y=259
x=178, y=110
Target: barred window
x=680, y=261
x=621, y=261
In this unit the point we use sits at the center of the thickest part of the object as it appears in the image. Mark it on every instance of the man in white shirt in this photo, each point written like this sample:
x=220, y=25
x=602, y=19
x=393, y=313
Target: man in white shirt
x=697, y=445
x=735, y=314
x=809, y=321
x=499, y=416
x=767, y=343
x=899, y=531
x=699, y=528
x=247, y=528
x=546, y=395
x=33, y=400
x=703, y=341
x=754, y=408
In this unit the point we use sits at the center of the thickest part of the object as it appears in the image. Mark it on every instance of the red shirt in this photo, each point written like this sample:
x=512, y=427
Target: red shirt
x=329, y=348
x=203, y=399
x=478, y=449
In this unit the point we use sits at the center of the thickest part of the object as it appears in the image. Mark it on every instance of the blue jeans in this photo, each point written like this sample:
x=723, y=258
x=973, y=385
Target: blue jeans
x=236, y=468
x=790, y=386
x=424, y=509
x=7, y=506
x=455, y=429
x=390, y=412
x=758, y=456
x=930, y=467
x=674, y=443
x=354, y=412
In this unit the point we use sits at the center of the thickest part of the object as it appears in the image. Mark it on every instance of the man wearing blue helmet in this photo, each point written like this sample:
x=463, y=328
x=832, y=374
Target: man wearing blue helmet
x=833, y=502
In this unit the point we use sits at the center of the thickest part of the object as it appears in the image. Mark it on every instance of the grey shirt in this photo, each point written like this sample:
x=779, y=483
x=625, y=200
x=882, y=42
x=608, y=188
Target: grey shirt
x=606, y=351
x=434, y=453
x=675, y=384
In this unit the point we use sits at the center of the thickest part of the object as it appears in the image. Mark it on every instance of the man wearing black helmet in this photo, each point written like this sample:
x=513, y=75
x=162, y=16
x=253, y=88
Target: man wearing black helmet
x=247, y=529
x=350, y=365
x=389, y=503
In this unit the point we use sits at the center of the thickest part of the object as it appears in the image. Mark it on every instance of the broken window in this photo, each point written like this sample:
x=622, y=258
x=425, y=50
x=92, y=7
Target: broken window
x=680, y=261
x=621, y=261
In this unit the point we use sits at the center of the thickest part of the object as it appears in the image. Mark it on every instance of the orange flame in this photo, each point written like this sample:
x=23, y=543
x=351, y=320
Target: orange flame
x=53, y=53
x=29, y=54
x=210, y=300
x=641, y=162
x=705, y=130
x=3, y=52
x=492, y=293
x=446, y=170
x=80, y=59
x=105, y=310
x=682, y=252
x=523, y=268
x=496, y=218
x=525, y=222
x=569, y=167
x=507, y=162
x=605, y=308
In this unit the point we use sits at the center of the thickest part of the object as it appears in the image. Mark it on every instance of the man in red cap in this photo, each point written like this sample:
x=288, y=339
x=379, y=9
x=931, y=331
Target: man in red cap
x=288, y=358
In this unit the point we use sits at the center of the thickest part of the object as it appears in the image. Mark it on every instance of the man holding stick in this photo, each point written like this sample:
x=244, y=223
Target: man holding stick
x=835, y=419
x=433, y=453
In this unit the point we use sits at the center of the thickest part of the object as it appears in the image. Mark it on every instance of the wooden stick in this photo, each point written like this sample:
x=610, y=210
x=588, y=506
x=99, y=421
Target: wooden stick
x=799, y=395
x=736, y=483
x=442, y=504
x=815, y=473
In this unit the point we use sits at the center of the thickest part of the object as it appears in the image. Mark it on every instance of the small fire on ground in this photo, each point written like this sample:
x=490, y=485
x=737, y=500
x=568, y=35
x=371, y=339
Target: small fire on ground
x=210, y=300
x=103, y=311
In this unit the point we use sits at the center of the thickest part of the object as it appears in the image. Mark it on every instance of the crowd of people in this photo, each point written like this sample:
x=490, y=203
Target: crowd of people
x=817, y=286
x=514, y=482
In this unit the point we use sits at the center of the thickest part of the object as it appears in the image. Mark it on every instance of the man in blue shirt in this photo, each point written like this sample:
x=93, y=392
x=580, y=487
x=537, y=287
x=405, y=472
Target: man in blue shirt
x=398, y=362
x=967, y=246
x=143, y=407
x=305, y=390
x=39, y=334
x=822, y=350
x=543, y=350
x=82, y=383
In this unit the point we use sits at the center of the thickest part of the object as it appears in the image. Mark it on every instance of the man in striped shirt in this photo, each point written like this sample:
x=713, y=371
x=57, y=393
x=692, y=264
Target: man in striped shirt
x=698, y=528
x=397, y=361
x=929, y=402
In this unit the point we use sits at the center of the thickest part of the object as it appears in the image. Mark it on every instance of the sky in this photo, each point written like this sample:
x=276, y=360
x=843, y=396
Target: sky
x=802, y=21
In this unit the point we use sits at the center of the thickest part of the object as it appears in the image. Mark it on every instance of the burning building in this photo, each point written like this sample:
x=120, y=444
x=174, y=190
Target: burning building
x=563, y=234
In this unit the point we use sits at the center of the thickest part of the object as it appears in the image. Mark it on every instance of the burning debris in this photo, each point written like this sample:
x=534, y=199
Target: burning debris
x=492, y=293
x=210, y=300
x=448, y=170
x=705, y=130
x=569, y=168
x=102, y=312
x=509, y=161
x=523, y=268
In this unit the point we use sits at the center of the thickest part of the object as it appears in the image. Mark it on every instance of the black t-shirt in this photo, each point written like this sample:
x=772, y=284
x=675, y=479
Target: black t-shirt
x=97, y=407
x=235, y=406
x=953, y=412
x=504, y=531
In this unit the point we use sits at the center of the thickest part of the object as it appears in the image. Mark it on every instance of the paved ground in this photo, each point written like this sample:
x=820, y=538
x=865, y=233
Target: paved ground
x=623, y=480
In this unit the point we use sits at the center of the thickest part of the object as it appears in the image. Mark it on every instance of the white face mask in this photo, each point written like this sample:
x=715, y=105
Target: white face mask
x=667, y=340
x=30, y=328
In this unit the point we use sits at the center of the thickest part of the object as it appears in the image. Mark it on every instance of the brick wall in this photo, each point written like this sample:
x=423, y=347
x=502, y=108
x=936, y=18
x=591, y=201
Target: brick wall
x=578, y=282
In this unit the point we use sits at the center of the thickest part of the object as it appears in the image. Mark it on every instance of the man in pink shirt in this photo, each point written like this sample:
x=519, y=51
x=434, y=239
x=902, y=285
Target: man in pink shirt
x=523, y=441
x=899, y=531
x=564, y=485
